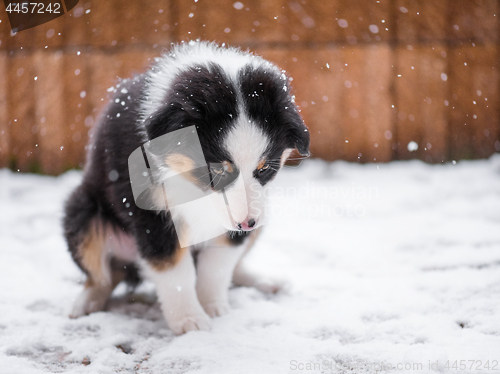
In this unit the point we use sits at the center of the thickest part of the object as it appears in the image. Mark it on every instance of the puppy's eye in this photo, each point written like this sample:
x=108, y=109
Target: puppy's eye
x=218, y=171
x=264, y=168
x=222, y=175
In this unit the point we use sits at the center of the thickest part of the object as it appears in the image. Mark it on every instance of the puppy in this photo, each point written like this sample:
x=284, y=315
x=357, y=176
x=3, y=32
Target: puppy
x=240, y=108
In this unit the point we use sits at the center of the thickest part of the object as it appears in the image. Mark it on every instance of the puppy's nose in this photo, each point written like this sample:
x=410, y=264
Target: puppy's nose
x=251, y=222
x=246, y=225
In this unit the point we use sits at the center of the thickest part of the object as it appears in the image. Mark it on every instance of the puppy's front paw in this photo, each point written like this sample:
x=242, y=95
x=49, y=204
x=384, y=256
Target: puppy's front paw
x=246, y=278
x=270, y=285
x=89, y=301
x=216, y=308
x=190, y=323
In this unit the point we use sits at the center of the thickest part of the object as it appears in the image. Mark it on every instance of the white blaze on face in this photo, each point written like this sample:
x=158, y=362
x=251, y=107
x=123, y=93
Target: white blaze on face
x=246, y=143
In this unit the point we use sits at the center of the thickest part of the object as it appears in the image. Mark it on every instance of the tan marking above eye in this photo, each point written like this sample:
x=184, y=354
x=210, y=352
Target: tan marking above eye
x=182, y=165
x=227, y=166
x=179, y=163
x=261, y=163
x=218, y=171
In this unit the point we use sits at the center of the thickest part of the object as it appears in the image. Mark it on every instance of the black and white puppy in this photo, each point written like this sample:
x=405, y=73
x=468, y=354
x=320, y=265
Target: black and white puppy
x=245, y=119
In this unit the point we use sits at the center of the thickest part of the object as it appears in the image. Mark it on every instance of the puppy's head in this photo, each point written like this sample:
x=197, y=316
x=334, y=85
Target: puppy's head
x=247, y=124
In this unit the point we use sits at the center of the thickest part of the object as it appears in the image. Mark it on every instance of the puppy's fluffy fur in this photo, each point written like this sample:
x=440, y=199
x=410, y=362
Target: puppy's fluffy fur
x=244, y=115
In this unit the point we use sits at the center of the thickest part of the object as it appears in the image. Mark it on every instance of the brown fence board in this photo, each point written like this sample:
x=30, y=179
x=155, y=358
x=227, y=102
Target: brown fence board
x=161, y=32
x=223, y=22
x=346, y=103
x=270, y=21
x=21, y=114
x=4, y=129
x=234, y=22
x=366, y=105
x=475, y=20
x=360, y=15
x=104, y=74
x=104, y=23
x=49, y=99
x=129, y=31
x=422, y=20
x=422, y=87
x=474, y=111
x=341, y=21
x=22, y=40
x=190, y=27
x=4, y=31
x=50, y=34
x=311, y=81
x=78, y=117
x=306, y=25
x=133, y=63
x=77, y=28
x=138, y=23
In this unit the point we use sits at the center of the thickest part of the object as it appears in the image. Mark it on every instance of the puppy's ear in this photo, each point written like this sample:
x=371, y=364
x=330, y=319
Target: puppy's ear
x=301, y=139
x=163, y=121
x=298, y=135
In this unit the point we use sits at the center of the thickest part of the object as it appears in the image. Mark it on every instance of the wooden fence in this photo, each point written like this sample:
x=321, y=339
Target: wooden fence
x=374, y=79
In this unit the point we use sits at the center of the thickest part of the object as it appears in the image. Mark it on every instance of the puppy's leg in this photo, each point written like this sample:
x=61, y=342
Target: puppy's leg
x=215, y=269
x=101, y=280
x=175, y=284
x=94, y=296
x=85, y=234
x=244, y=277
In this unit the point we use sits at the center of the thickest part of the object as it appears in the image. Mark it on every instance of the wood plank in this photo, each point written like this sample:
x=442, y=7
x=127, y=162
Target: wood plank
x=270, y=20
x=240, y=23
x=23, y=40
x=4, y=31
x=103, y=69
x=421, y=92
x=188, y=27
x=77, y=28
x=132, y=25
x=104, y=23
x=50, y=34
x=49, y=101
x=313, y=21
x=141, y=24
x=21, y=116
x=369, y=70
x=474, y=107
x=347, y=104
x=280, y=57
x=133, y=63
x=475, y=21
x=224, y=23
x=311, y=81
x=421, y=20
x=159, y=14
x=341, y=21
x=251, y=22
x=4, y=129
x=78, y=117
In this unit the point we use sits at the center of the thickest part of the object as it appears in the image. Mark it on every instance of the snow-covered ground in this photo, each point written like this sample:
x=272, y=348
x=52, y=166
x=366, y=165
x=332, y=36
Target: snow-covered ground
x=389, y=265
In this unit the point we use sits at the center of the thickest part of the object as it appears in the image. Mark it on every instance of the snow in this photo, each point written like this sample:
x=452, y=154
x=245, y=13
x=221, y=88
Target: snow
x=387, y=264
